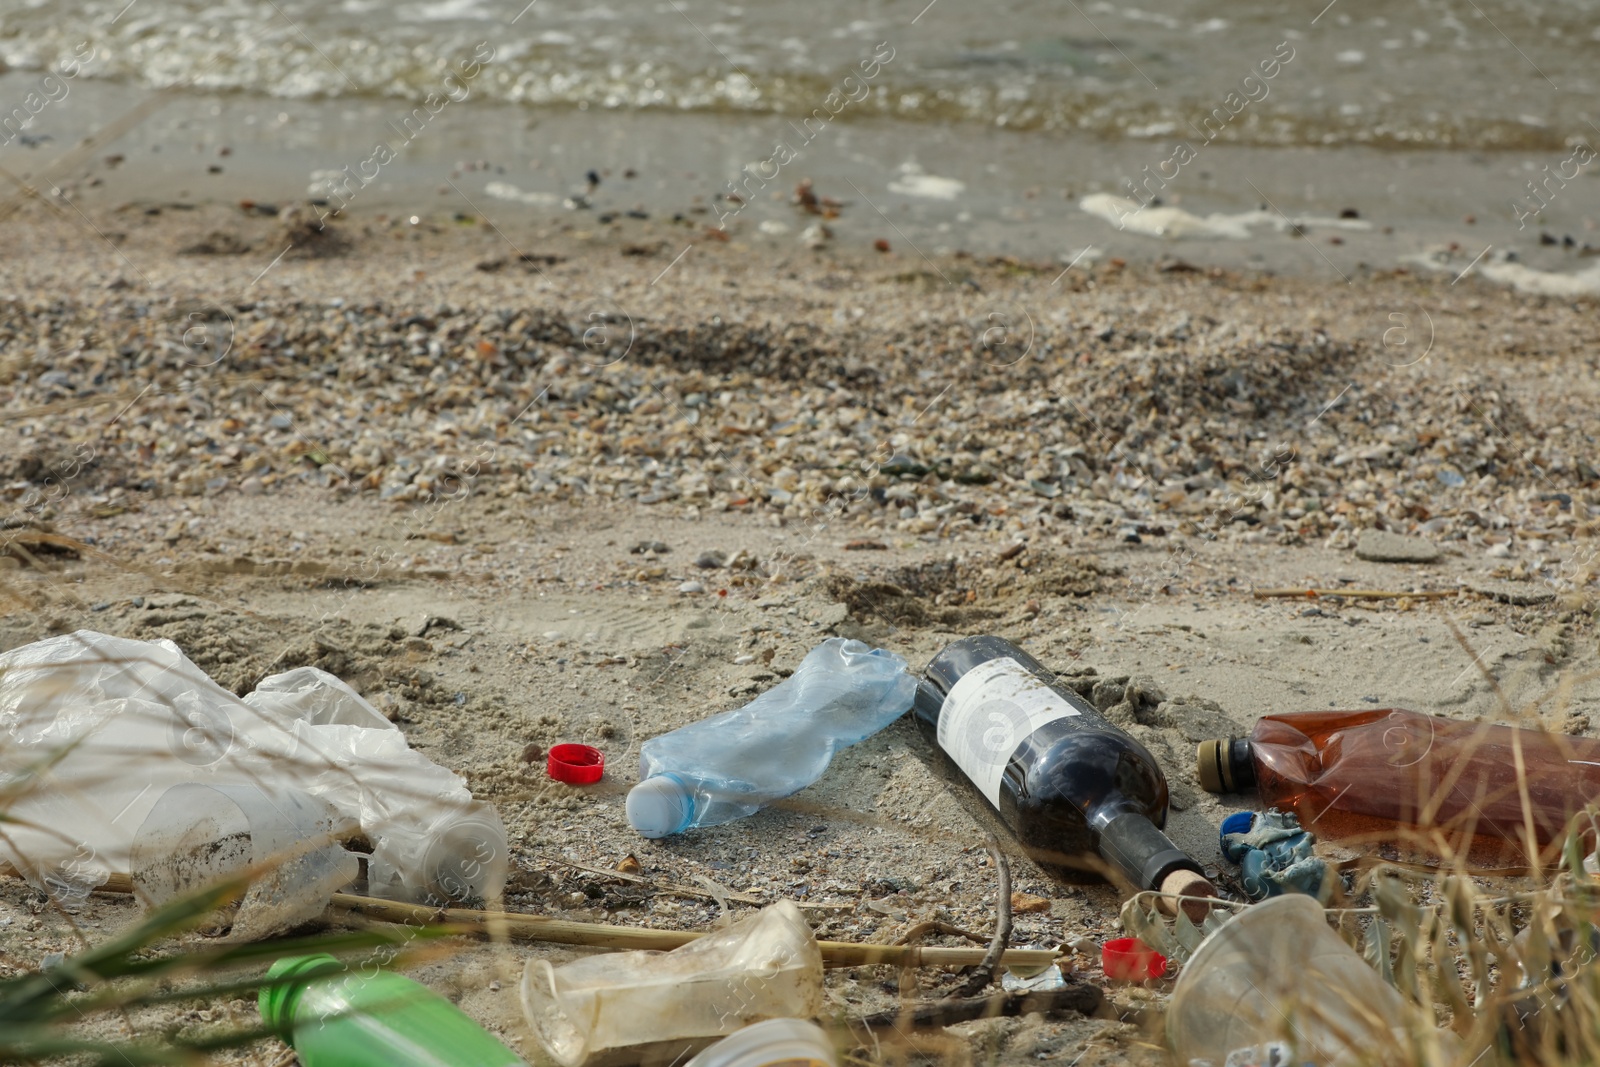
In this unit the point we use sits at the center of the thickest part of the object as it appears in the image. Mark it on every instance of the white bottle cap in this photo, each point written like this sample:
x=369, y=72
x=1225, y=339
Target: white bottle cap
x=659, y=806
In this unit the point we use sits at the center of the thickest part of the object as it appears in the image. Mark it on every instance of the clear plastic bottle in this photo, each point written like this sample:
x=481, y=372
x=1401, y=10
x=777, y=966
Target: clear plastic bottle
x=732, y=765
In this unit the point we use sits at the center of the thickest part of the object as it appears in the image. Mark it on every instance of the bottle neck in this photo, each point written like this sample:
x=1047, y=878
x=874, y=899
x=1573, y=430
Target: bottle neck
x=1240, y=765
x=1131, y=843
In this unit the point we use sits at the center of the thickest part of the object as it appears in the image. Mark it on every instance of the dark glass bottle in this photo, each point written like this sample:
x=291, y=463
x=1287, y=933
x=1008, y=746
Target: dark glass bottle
x=1067, y=782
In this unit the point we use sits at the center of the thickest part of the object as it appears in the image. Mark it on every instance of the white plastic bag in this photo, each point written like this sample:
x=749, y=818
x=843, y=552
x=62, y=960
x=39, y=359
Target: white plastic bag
x=97, y=728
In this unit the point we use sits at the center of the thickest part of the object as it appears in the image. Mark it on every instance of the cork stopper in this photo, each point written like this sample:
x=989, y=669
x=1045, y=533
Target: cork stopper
x=1185, y=883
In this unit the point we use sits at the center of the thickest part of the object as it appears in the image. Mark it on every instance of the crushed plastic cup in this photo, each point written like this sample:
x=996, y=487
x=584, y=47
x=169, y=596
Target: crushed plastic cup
x=1127, y=959
x=199, y=835
x=1275, y=984
x=765, y=966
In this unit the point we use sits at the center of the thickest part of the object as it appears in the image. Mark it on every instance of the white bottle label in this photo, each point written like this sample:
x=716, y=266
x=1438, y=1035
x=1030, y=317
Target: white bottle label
x=989, y=712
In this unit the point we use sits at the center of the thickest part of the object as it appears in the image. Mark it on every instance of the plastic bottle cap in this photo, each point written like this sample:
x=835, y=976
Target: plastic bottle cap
x=1238, y=823
x=1130, y=960
x=1211, y=765
x=575, y=764
x=659, y=806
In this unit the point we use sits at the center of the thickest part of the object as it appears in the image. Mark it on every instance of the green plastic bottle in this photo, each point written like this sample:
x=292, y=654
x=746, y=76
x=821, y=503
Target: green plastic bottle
x=348, y=1018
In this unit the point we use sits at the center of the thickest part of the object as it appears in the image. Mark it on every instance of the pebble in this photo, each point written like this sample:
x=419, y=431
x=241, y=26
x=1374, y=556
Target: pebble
x=1519, y=593
x=740, y=661
x=1141, y=412
x=711, y=559
x=1382, y=546
x=692, y=587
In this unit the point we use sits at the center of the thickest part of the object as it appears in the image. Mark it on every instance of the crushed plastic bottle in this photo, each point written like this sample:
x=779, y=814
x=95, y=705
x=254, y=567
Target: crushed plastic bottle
x=732, y=765
x=1367, y=774
x=1275, y=987
x=99, y=728
x=767, y=966
x=1274, y=855
x=338, y=1017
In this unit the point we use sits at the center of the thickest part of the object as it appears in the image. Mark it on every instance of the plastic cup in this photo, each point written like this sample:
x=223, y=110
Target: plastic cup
x=1276, y=984
x=1127, y=959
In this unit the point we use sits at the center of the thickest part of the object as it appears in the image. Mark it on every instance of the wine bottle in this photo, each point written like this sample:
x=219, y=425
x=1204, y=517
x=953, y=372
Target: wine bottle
x=1064, y=780
x=1367, y=772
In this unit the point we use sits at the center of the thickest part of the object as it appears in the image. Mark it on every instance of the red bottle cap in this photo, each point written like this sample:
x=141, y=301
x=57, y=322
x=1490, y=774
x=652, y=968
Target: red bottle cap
x=575, y=764
x=1128, y=959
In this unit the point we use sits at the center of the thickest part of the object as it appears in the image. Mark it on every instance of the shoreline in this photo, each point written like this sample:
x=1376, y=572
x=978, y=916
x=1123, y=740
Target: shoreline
x=968, y=188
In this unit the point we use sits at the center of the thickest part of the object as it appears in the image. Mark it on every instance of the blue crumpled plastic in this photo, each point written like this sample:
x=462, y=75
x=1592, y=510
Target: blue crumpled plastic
x=1274, y=855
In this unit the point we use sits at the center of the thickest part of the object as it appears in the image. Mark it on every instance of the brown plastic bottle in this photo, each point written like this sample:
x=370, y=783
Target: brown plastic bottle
x=1362, y=773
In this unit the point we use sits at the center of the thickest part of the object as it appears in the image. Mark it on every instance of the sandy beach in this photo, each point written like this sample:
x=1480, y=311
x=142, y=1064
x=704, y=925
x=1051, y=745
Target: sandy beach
x=572, y=480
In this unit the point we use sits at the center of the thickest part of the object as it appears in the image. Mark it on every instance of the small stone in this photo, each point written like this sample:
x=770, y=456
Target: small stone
x=532, y=752
x=1382, y=546
x=865, y=544
x=653, y=547
x=740, y=661
x=1519, y=593
x=1027, y=903
x=1502, y=551
x=692, y=587
x=711, y=559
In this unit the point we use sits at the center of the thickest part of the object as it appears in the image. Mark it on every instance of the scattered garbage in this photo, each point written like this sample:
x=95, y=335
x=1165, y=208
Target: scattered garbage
x=789, y=1042
x=766, y=966
x=575, y=764
x=198, y=835
x=1276, y=986
x=1364, y=772
x=1127, y=959
x=100, y=728
x=732, y=765
x=338, y=1017
x=1048, y=980
x=1066, y=781
x=1274, y=855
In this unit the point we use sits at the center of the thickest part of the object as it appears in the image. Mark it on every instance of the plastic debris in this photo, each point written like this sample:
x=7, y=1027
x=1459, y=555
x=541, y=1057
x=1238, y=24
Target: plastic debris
x=734, y=764
x=762, y=967
x=1274, y=855
x=338, y=1017
x=1046, y=981
x=786, y=1042
x=1275, y=979
x=1127, y=959
x=575, y=764
x=100, y=728
x=201, y=834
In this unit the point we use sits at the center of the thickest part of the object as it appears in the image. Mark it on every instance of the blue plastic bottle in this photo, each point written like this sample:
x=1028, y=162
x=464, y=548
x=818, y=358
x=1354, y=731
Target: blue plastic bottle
x=731, y=765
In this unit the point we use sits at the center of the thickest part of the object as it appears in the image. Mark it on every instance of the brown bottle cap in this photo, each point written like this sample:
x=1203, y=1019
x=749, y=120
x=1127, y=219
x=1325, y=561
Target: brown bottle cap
x=1213, y=767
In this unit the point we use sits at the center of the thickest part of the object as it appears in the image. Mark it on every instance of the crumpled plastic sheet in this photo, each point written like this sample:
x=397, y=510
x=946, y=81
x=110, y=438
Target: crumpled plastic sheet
x=97, y=728
x=1275, y=856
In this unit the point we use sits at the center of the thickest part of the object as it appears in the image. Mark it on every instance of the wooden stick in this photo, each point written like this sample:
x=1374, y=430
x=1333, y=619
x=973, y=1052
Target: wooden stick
x=473, y=923
x=1356, y=594
x=599, y=935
